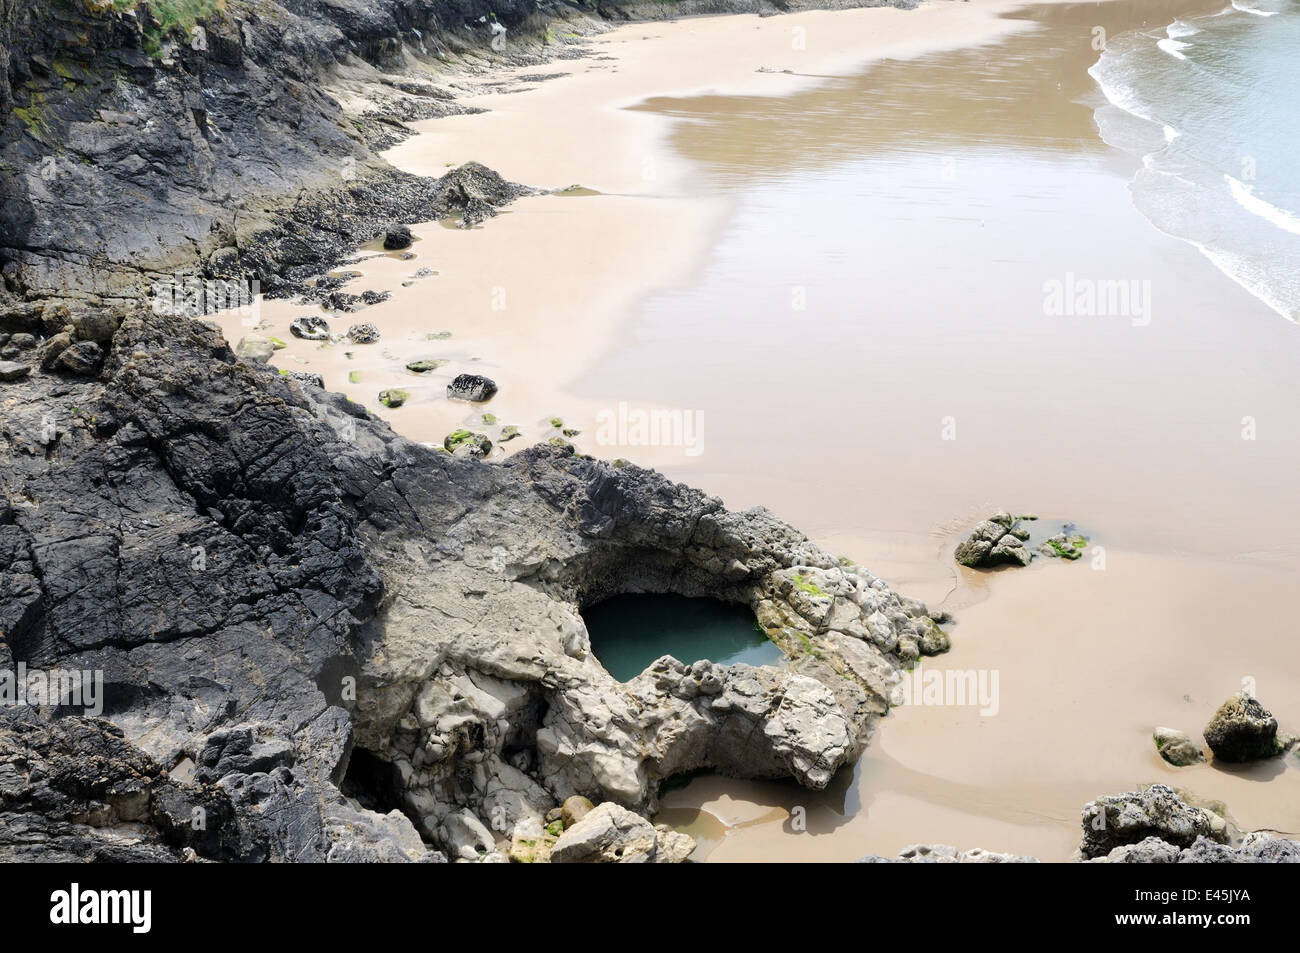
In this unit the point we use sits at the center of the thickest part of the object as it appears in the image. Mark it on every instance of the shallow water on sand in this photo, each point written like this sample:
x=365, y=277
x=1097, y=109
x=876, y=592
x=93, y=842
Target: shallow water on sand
x=880, y=307
x=879, y=353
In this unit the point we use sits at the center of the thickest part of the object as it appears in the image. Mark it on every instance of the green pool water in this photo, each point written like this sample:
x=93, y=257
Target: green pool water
x=629, y=632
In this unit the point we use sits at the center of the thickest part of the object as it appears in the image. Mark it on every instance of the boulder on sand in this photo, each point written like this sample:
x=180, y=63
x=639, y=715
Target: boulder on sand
x=1117, y=819
x=1242, y=730
x=999, y=540
x=1067, y=544
x=310, y=327
x=1176, y=747
x=396, y=238
x=471, y=387
x=365, y=333
x=613, y=834
x=465, y=443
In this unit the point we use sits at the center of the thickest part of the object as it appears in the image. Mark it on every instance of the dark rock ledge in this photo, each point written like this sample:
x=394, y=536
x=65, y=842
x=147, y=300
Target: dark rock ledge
x=131, y=151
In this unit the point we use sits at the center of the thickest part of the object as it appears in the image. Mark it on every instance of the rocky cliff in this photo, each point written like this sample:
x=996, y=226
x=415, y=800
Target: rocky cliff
x=236, y=138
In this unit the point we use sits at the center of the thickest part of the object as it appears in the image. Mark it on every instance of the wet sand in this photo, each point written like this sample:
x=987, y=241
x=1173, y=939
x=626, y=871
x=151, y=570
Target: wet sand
x=1088, y=662
x=977, y=177
x=538, y=295
x=837, y=271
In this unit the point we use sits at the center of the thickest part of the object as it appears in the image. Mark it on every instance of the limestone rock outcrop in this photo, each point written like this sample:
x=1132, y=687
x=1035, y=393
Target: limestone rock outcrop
x=997, y=541
x=1116, y=820
x=612, y=834
x=370, y=649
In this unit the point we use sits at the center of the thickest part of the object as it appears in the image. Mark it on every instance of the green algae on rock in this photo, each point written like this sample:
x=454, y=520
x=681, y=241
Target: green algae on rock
x=424, y=365
x=1176, y=747
x=467, y=443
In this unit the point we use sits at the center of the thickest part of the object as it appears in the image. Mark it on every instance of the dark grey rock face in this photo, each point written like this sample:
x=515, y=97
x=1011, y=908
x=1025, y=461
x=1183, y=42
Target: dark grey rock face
x=164, y=146
x=130, y=152
x=73, y=790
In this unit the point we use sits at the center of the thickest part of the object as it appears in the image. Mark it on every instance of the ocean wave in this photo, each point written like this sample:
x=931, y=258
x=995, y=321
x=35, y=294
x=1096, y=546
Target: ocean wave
x=1173, y=47
x=1163, y=113
x=1247, y=199
x=1118, y=93
x=1252, y=277
x=1237, y=5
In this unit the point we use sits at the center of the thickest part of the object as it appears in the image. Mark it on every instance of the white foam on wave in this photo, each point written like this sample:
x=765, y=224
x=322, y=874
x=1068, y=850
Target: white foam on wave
x=1120, y=74
x=1120, y=96
x=1237, y=5
x=1249, y=276
x=1247, y=199
x=1149, y=163
x=1173, y=47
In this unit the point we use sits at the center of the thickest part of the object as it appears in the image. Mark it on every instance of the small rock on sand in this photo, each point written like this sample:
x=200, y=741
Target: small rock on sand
x=999, y=540
x=1176, y=747
x=471, y=387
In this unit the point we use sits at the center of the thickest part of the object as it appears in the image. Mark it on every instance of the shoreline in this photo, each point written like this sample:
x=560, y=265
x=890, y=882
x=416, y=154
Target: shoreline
x=645, y=190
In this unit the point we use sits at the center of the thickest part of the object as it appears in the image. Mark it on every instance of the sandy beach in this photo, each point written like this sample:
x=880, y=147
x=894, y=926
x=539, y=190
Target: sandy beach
x=841, y=269
x=565, y=271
